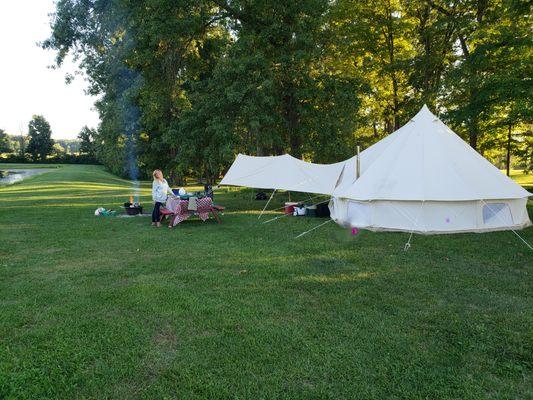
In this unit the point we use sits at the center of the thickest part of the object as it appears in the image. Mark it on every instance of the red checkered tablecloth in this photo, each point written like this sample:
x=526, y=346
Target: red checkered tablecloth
x=181, y=209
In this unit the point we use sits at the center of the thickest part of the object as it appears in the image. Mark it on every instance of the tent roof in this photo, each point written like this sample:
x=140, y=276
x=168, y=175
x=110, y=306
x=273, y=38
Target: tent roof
x=426, y=160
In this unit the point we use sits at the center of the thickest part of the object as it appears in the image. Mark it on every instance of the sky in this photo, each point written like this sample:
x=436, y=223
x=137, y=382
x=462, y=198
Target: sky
x=27, y=85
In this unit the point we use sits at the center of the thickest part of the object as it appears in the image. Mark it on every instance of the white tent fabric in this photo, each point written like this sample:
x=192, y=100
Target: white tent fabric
x=283, y=172
x=424, y=178
x=288, y=173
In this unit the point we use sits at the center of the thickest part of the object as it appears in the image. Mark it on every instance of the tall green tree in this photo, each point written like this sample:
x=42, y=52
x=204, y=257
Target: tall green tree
x=4, y=142
x=22, y=145
x=41, y=143
x=87, y=137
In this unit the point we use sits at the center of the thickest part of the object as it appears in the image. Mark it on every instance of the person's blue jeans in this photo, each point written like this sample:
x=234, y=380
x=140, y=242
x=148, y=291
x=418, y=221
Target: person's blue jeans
x=156, y=213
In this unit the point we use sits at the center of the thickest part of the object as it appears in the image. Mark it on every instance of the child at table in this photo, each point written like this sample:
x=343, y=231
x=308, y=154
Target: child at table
x=160, y=191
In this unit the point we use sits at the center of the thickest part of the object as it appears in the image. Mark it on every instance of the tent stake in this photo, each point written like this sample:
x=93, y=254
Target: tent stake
x=275, y=218
x=408, y=244
x=266, y=205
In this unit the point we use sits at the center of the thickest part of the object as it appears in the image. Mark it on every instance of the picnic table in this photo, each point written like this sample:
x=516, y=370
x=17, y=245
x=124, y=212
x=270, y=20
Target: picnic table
x=179, y=210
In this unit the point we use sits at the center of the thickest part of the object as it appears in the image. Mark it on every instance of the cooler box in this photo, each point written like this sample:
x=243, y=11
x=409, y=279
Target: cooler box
x=289, y=207
x=310, y=211
x=322, y=210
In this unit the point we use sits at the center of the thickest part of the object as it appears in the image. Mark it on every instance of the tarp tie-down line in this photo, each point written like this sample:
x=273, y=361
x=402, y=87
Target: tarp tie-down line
x=501, y=220
x=312, y=229
x=408, y=244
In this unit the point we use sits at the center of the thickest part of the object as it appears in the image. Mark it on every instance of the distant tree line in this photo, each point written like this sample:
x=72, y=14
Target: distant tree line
x=38, y=145
x=188, y=84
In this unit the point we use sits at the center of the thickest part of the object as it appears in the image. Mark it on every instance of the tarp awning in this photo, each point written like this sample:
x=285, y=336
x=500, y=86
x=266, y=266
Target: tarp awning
x=284, y=173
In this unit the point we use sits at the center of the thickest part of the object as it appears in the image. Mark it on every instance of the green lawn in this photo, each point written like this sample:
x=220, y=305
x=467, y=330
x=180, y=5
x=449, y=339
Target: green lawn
x=113, y=308
x=25, y=166
x=521, y=178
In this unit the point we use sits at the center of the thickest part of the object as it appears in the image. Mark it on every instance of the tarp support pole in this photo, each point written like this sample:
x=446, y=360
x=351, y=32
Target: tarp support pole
x=358, y=163
x=266, y=205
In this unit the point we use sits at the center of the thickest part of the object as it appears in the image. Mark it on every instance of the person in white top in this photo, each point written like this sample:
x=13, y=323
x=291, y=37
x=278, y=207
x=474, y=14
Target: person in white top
x=160, y=191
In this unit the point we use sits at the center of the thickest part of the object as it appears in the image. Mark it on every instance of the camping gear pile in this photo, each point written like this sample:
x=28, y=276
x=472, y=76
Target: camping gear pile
x=421, y=178
x=184, y=195
x=320, y=210
x=102, y=212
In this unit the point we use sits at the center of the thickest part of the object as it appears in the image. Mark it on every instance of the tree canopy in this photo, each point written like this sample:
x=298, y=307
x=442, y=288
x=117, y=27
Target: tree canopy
x=4, y=142
x=186, y=85
x=87, y=137
x=41, y=143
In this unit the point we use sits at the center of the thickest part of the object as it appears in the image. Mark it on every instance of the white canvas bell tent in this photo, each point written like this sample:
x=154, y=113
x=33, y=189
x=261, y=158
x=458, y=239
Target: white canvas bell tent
x=424, y=178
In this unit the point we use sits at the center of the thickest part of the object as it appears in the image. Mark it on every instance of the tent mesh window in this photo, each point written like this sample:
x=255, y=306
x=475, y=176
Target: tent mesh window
x=497, y=214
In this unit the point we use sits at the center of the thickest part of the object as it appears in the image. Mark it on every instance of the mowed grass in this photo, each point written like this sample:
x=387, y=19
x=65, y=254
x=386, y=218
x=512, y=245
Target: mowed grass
x=95, y=307
x=28, y=166
x=522, y=178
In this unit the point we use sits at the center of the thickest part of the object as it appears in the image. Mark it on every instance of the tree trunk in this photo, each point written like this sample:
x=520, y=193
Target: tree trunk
x=395, y=102
x=473, y=139
x=388, y=126
x=474, y=131
x=508, y=156
x=388, y=35
x=394, y=80
x=258, y=146
x=293, y=118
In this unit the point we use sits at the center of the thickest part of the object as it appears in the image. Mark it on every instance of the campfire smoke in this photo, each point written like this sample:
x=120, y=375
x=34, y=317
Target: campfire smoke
x=129, y=83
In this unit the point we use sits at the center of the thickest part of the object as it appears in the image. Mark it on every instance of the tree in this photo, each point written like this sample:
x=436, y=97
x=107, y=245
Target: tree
x=58, y=151
x=87, y=137
x=185, y=85
x=41, y=142
x=22, y=145
x=4, y=142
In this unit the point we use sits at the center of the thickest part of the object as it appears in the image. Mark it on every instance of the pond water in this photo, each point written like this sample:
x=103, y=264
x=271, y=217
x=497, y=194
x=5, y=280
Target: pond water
x=9, y=176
